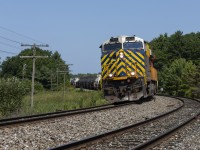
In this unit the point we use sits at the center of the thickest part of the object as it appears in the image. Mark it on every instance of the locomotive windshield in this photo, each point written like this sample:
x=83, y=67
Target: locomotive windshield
x=132, y=45
x=112, y=47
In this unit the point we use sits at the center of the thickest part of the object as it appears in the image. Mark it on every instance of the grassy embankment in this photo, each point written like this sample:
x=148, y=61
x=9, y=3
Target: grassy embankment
x=51, y=101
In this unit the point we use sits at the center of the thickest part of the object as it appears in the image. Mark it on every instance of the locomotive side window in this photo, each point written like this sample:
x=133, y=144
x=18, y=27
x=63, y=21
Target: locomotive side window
x=132, y=45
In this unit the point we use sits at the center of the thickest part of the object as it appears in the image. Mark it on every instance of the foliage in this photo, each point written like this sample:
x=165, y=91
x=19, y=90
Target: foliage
x=45, y=67
x=178, y=63
x=180, y=78
x=51, y=101
x=27, y=86
x=11, y=93
x=168, y=48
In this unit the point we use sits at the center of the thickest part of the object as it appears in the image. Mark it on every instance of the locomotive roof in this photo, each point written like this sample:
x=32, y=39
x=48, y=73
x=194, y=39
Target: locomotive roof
x=122, y=39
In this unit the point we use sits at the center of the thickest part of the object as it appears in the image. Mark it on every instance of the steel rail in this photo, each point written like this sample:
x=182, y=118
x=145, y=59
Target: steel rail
x=154, y=141
x=85, y=141
x=24, y=119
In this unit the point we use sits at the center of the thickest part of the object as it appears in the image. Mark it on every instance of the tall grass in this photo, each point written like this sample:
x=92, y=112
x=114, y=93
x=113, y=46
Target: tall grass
x=51, y=101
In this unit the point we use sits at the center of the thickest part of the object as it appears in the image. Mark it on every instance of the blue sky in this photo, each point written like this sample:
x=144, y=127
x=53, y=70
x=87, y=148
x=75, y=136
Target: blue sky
x=77, y=28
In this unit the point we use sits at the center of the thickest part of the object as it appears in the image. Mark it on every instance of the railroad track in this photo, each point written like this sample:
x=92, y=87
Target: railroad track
x=143, y=135
x=45, y=116
x=48, y=133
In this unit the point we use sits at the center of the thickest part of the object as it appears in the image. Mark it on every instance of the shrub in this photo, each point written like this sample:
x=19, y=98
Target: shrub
x=27, y=86
x=11, y=93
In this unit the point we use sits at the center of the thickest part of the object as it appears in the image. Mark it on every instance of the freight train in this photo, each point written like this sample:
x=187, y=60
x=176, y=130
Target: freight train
x=128, y=72
x=87, y=82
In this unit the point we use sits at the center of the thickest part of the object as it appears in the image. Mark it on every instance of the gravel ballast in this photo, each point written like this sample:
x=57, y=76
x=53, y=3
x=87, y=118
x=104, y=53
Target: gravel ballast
x=187, y=138
x=54, y=132
x=138, y=135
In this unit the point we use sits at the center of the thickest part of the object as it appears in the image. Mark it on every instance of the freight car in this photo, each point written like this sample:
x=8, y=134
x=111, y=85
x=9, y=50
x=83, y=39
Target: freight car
x=87, y=82
x=127, y=67
x=73, y=81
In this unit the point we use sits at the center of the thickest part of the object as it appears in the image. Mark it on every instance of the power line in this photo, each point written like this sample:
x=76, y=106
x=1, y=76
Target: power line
x=19, y=34
x=9, y=45
x=10, y=40
x=8, y=52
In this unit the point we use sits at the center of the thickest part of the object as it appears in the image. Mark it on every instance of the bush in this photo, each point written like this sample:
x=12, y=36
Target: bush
x=27, y=86
x=181, y=78
x=11, y=93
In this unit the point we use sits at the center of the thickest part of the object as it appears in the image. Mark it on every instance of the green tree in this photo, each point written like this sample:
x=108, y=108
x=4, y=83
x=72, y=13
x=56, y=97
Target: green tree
x=11, y=93
x=181, y=78
x=160, y=49
x=13, y=66
x=168, y=48
x=192, y=47
x=178, y=79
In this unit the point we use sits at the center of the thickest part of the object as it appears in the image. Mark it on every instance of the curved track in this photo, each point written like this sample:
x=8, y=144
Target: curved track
x=154, y=142
x=143, y=134
x=40, y=117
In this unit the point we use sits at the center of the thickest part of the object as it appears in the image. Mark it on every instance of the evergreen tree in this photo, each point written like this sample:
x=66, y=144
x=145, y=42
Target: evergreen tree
x=178, y=61
x=181, y=78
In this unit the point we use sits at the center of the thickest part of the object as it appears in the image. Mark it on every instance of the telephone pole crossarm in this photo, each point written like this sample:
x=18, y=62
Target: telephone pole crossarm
x=34, y=56
x=26, y=56
x=31, y=45
x=41, y=56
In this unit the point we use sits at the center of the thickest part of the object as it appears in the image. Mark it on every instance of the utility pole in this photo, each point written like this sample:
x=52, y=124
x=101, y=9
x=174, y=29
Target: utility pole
x=23, y=71
x=51, y=80
x=33, y=46
x=64, y=72
x=0, y=65
x=57, y=77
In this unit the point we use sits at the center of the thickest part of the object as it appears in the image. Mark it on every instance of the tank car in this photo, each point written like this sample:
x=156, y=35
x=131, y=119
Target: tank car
x=82, y=82
x=97, y=82
x=89, y=82
x=74, y=82
x=127, y=67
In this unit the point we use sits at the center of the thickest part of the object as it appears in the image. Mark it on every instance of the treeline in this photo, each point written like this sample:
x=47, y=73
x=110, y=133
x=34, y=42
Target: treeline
x=47, y=69
x=11, y=92
x=178, y=63
x=16, y=74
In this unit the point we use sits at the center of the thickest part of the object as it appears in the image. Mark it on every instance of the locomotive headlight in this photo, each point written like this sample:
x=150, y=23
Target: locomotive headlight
x=110, y=75
x=132, y=73
x=121, y=55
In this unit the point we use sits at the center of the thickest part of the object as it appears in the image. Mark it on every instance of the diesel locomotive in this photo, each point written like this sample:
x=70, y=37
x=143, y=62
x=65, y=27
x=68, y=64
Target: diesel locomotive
x=128, y=72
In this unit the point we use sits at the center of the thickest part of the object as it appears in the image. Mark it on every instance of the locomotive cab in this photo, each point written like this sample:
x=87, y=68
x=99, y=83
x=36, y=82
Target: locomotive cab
x=122, y=42
x=127, y=69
